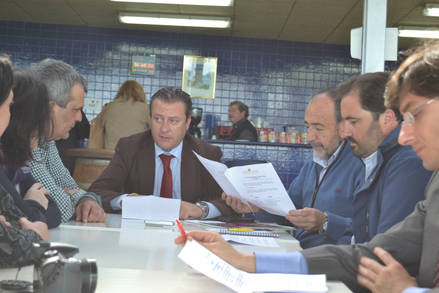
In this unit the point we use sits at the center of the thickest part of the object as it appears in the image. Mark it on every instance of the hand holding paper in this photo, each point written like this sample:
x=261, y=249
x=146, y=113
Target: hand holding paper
x=258, y=184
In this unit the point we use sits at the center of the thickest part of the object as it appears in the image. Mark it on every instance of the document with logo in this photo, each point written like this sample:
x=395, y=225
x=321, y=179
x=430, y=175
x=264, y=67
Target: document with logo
x=258, y=184
x=207, y=263
x=151, y=207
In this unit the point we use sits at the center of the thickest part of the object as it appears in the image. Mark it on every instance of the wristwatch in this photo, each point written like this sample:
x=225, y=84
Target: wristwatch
x=325, y=225
x=204, y=209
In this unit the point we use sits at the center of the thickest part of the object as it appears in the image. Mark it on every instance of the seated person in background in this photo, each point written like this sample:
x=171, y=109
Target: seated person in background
x=30, y=122
x=324, y=189
x=242, y=129
x=17, y=233
x=394, y=179
x=128, y=114
x=80, y=131
x=404, y=258
x=66, y=89
x=160, y=162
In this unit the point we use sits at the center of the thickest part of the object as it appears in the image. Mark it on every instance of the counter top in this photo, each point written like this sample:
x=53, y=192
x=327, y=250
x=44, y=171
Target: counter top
x=289, y=145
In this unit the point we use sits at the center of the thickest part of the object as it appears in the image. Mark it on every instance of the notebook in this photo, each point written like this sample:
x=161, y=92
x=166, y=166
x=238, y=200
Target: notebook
x=246, y=233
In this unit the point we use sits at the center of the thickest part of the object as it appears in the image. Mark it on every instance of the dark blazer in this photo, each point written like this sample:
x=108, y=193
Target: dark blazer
x=243, y=130
x=132, y=170
x=412, y=242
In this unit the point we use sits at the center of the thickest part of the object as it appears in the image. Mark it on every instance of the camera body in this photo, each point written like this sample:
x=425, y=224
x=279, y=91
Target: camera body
x=55, y=270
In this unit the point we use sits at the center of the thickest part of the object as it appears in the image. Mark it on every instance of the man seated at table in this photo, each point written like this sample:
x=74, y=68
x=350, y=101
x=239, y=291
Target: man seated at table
x=66, y=89
x=161, y=162
x=323, y=191
x=391, y=171
x=242, y=129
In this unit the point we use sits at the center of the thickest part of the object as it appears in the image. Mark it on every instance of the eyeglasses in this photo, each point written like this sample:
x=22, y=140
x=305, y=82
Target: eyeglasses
x=409, y=117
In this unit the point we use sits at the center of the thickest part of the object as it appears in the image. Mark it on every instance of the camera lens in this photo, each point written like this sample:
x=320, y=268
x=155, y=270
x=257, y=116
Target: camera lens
x=89, y=273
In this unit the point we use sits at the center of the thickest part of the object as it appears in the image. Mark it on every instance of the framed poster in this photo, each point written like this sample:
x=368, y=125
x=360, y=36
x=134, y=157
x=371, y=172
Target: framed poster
x=199, y=76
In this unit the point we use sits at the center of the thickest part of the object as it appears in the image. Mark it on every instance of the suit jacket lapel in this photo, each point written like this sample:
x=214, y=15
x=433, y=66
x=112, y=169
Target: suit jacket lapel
x=188, y=172
x=146, y=165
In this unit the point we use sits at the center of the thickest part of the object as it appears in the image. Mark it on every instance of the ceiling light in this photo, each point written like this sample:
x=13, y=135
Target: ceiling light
x=184, y=2
x=431, y=9
x=418, y=32
x=174, y=20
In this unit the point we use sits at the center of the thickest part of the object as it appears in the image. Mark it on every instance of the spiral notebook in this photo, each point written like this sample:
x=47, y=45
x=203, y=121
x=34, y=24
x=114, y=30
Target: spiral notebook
x=246, y=233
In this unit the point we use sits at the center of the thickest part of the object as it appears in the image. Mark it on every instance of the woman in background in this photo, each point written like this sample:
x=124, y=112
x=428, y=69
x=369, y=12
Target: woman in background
x=17, y=233
x=30, y=121
x=128, y=114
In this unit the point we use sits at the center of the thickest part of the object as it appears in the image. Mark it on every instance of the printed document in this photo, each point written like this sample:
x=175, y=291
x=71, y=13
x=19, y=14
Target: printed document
x=207, y=263
x=252, y=240
x=258, y=184
x=151, y=207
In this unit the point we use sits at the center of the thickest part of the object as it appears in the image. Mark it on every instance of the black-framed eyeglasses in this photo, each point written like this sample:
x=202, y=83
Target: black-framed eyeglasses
x=409, y=117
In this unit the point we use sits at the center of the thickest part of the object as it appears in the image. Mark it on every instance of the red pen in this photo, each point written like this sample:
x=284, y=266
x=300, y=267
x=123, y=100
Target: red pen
x=180, y=227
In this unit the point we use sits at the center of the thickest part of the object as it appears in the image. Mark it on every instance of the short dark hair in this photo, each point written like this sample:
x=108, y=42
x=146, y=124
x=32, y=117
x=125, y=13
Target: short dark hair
x=6, y=77
x=331, y=92
x=418, y=74
x=371, y=88
x=241, y=107
x=172, y=95
x=30, y=115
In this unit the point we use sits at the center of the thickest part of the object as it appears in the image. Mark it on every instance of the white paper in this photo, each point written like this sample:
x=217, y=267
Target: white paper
x=252, y=240
x=151, y=208
x=207, y=263
x=258, y=184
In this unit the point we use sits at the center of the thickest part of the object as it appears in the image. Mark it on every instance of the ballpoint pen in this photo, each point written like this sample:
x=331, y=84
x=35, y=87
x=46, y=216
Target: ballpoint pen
x=180, y=227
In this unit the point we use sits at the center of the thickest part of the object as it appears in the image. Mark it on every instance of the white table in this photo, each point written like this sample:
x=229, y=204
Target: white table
x=135, y=258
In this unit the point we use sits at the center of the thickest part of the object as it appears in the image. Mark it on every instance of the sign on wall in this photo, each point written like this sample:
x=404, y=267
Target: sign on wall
x=199, y=76
x=143, y=65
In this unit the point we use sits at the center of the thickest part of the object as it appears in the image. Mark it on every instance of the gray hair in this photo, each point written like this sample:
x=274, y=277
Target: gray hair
x=59, y=78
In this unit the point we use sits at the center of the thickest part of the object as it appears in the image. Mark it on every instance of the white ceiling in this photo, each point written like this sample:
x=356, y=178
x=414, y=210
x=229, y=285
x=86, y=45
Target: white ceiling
x=323, y=21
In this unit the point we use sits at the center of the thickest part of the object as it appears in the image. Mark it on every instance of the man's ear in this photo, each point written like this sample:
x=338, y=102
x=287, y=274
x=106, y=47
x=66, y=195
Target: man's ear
x=389, y=116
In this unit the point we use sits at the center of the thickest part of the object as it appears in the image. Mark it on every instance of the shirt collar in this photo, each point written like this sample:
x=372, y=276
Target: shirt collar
x=325, y=163
x=370, y=163
x=176, y=152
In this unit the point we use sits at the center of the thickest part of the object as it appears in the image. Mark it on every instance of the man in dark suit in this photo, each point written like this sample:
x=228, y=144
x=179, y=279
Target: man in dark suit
x=140, y=165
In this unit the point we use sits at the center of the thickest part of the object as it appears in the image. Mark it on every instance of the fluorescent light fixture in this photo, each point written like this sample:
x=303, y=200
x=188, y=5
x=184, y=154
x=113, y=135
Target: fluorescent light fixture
x=431, y=9
x=183, y=2
x=174, y=20
x=418, y=32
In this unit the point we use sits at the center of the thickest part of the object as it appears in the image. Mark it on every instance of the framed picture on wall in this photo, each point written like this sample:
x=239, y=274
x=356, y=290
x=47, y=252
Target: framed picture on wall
x=199, y=76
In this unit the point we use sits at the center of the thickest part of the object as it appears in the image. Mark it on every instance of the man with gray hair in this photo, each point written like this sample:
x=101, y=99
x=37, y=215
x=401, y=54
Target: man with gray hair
x=66, y=89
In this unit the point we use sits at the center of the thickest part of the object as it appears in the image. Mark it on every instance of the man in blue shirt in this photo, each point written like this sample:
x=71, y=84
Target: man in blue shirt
x=323, y=191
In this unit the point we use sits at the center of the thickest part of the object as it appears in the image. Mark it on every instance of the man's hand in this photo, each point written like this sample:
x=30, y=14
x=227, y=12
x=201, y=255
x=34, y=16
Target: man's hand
x=38, y=193
x=89, y=211
x=309, y=219
x=216, y=244
x=39, y=227
x=189, y=211
x=388, y=278
x=3, y=219
x=238, y=206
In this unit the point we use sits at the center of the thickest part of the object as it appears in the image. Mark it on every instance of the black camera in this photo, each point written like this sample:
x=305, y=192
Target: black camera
x=55, y=270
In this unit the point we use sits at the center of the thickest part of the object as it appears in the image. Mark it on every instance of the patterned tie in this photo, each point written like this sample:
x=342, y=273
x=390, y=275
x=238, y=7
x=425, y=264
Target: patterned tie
x=436, y=276
x=166, y=189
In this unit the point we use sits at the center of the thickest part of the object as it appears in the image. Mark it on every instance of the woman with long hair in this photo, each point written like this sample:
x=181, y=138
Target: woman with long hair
x=128, y=114
x=17, y=233
x=30, y=122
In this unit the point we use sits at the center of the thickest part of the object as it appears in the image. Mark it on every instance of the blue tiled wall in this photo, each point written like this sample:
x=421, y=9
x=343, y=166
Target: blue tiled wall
x=274, y=78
